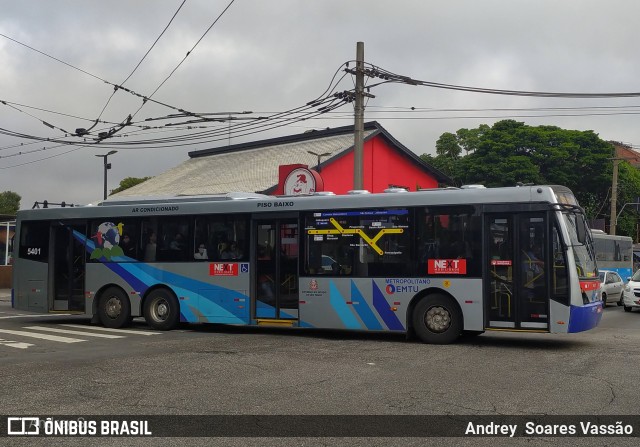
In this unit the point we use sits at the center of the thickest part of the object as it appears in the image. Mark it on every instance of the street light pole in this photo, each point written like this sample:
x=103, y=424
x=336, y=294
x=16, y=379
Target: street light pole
x=324, y=154
x=107, y=166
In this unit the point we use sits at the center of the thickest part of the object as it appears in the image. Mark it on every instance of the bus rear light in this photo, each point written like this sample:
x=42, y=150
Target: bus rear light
x=394, y=309
x=468, y=302
x=397, y=303
x=560, y=322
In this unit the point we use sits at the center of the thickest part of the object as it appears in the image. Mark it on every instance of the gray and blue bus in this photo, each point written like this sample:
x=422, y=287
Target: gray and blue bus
x=434, y=264
x=614, y=252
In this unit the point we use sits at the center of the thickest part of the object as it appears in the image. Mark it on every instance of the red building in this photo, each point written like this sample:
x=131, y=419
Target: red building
x=262, y=166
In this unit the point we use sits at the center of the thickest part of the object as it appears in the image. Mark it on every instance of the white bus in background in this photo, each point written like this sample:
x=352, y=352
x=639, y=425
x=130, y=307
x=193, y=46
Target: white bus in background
x=614, y=253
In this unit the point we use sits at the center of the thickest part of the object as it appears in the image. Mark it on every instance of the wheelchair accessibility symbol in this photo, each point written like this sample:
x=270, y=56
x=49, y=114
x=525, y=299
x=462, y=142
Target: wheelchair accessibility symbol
x=244, y=268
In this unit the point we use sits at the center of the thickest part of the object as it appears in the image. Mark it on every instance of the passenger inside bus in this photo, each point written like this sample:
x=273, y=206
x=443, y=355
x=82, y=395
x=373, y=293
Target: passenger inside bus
x=201, y=253
x=234, y=251
x=127, y=245
x=177, y=244
x=150, y=248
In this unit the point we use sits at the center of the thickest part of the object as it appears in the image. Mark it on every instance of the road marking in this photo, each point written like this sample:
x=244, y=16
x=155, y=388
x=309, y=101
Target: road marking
x=42, y=336
x=66, y=331
x=37, y=315
x=15, y=344
x=106, y=329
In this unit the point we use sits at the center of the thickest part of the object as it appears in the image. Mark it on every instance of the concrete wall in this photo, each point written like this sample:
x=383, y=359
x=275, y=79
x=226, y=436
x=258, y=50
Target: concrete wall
x=5, y=276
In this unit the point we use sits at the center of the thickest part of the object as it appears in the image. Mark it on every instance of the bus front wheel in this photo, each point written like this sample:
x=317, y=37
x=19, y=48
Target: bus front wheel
x=114, y=309
x=161, y=310
x=437, y=320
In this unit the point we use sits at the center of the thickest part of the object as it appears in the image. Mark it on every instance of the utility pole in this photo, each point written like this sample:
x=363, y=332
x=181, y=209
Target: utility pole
x=358, y=134
x=614, y=196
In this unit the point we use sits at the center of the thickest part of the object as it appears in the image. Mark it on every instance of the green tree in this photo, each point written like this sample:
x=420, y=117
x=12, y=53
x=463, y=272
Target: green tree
x=447, y=146
x=442, y=163
x=628, y=192
x=9, y=202
x=468, y=140
x=128, y=182
x=511, y=152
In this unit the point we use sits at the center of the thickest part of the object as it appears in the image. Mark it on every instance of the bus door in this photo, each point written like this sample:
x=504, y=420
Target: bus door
x=276, y=273
x=67, y=257
x=516, y=292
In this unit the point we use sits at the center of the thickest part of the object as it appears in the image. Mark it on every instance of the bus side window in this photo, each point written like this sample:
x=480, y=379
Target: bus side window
x=451, y=232
x=174, y=240
x=34, y=241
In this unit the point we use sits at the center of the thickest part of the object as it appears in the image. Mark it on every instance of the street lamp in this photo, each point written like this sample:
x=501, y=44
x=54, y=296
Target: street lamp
x=324, y=154
x=106, y=167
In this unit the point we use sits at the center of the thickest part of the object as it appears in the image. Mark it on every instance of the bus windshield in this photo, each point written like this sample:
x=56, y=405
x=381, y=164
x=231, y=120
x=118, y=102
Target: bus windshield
x=583, y=253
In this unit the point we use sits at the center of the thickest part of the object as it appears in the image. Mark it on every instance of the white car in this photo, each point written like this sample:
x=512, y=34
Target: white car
x=611, y=287
x=631, y=299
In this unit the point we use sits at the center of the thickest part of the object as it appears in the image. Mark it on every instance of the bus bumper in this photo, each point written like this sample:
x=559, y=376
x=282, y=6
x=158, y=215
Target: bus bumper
x=583, y=318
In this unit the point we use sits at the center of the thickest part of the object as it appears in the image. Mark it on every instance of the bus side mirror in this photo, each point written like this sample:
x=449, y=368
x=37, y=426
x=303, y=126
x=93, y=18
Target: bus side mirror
x=581, y=229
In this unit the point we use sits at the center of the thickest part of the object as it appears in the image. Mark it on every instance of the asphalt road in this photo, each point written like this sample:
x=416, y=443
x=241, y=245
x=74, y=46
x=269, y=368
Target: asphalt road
x=216, y=370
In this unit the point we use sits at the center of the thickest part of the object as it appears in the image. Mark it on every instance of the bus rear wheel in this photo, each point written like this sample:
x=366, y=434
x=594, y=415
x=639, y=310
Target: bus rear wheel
x=161, y=310
x=114, y=308
x=437, y=320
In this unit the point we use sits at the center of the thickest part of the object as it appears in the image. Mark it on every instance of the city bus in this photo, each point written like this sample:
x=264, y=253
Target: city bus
x=435, y=264
x=614, y=252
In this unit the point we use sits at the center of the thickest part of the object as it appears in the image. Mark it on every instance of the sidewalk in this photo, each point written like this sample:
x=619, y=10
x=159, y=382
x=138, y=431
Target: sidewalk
x=5, y=294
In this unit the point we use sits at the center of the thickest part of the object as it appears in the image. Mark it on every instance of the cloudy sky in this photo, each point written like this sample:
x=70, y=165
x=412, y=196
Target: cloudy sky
x=60, y=60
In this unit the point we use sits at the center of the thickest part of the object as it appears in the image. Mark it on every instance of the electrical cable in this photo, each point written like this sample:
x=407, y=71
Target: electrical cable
x=261, y=124
x=376, y=71
x=185, y=57
x=115, y=89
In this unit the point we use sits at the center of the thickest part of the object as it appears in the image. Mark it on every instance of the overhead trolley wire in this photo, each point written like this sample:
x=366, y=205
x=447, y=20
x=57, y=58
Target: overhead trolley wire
x=116, y=88
x=319, y=106
x=185, y=57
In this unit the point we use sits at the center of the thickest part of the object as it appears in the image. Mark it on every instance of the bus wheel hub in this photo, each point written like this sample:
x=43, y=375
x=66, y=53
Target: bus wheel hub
x=438, y=319
x=162, y=310
x=114, y=307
